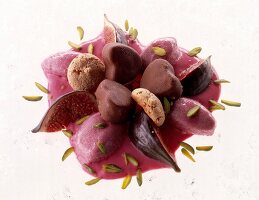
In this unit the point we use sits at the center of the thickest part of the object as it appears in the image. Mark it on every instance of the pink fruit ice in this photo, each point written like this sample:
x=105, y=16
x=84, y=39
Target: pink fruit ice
x=169, y=44
x=58, y=63
x=202, y=123
x=97, y=139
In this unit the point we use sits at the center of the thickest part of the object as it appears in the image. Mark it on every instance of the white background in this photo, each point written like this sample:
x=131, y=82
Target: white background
x=30, y=164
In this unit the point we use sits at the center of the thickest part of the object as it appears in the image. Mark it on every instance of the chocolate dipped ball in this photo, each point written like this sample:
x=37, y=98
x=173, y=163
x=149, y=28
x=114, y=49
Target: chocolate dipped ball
x=85, y=72
x=159, y=79
x=114, y=101
x=122, y=62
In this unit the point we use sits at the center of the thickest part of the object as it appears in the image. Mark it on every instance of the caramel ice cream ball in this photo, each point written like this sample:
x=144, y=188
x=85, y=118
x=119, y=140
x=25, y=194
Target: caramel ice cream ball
x=85, y=72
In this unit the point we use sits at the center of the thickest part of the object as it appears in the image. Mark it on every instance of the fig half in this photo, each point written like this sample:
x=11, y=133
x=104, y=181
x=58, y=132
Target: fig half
x=196, y=78
x=144, y=135
x=67, y=109
x=113, y=33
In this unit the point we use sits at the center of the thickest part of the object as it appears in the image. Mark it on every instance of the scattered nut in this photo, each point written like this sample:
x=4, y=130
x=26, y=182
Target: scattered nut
x=151, y=105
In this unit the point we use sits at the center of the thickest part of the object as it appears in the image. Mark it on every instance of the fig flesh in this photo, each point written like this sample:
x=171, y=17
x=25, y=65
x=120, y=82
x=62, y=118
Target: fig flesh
x=67, y=109
x=113, y=33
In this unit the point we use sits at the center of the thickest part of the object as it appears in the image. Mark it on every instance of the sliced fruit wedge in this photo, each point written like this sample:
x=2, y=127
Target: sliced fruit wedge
x=196, y=78
x=144, y=135
x=67, y=109
x=113, y=33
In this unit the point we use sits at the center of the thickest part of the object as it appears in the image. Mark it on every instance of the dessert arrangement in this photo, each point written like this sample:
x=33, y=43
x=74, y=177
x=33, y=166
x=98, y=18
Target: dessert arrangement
x=126, y=107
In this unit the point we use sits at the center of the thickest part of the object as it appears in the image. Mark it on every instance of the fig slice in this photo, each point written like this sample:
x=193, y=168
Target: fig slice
x=113, y=33
x=144, y=135
x=196, y=78
x=67, y=109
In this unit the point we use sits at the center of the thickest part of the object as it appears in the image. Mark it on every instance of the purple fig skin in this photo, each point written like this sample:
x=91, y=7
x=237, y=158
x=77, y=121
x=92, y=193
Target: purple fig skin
x=67, y=109
x=196, y=78
x=113, y=32
x=120, y=35
x=202, y=123
x=87, y=137
x=144, y=137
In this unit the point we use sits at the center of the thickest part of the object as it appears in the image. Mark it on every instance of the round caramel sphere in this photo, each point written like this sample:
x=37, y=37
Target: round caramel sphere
x=85, y=72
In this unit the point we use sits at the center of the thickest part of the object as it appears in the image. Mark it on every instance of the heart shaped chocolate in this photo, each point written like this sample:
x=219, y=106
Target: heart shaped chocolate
x=121, y=61
x=159, y=79
x=114, y=101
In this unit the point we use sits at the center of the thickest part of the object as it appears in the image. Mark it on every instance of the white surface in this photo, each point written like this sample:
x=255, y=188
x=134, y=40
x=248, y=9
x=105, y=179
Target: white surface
x=30, y=164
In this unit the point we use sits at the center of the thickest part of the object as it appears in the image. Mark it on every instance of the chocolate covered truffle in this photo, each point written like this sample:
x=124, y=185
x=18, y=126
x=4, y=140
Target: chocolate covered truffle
x=114, y=101
x=122, y=62
x=159, y=79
